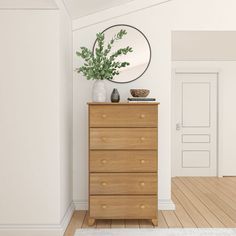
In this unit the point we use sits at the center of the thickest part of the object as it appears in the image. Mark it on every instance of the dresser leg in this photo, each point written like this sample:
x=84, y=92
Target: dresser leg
x=155, y=222
x=91, y=221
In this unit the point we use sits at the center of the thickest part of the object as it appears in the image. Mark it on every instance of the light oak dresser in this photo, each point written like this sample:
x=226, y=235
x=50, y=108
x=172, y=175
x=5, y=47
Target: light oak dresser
x=123, y=161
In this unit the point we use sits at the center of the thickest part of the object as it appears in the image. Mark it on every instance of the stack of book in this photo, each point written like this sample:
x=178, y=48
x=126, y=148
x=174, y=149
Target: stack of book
x=141, y=99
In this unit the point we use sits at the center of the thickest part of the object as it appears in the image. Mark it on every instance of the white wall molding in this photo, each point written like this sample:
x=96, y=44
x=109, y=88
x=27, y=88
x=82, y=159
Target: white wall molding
x=81, y=205
x=163, y=204
x=112, y=13
x=166, y=204
x=67, y=217
x=28, y=9
x=39, y=229
x=27, y=4
x=62, y=6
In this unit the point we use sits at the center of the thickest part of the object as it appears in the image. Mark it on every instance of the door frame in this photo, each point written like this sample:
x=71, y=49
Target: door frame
x=219, y=128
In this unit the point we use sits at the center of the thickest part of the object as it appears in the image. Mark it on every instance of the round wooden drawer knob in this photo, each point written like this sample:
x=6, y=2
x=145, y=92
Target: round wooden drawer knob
x=142, y=161
x=104, y=161
x=104, y=206
x=104, y=116
x=142, y=139
x=103, y=139
x=142, y=206
x=142, y=184
x=142, y=116
x=104, y=184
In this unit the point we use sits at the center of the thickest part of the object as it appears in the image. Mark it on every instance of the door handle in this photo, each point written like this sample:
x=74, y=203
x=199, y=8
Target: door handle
x=178, y=126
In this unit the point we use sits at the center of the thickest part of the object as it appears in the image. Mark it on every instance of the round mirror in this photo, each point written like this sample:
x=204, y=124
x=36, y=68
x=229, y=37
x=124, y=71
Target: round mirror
x=139, y=59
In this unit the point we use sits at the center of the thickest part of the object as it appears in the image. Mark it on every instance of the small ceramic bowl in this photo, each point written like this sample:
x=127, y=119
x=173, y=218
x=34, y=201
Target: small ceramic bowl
x=139, y=92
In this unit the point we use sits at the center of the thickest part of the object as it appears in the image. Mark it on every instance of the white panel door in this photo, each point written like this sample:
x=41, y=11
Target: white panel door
x=195, y=124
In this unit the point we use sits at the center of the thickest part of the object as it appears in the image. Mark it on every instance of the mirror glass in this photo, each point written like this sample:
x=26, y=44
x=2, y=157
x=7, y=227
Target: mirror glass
x=139, y=59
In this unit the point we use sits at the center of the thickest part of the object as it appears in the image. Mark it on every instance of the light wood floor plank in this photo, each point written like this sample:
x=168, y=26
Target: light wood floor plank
x=75, y=223
x=197, y=217
x=219, y=198
x=223, y=182
x=230, y=190
x=118, y=224
x=200, y=202
x=232, y=179
x=171, y=219
x=85, y=223
x=216, y=188
x=161, y=220
x=182, y=215
x=103, y=224
x=220, y=191
x=145, y=224
x=131, y=223
x=211, y=218
x=227, y=181
x=197, y=189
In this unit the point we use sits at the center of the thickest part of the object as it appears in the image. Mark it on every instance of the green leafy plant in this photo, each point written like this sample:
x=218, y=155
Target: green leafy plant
x=102, y=64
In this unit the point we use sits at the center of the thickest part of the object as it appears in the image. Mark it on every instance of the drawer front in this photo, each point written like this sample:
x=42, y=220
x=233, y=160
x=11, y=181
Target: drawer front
x=123, y=138
x=123, y=161
x=123, y=207
x=123, y=183
x=123, y=116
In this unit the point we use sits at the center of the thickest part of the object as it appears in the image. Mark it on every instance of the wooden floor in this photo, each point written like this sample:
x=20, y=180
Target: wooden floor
x=201, y=202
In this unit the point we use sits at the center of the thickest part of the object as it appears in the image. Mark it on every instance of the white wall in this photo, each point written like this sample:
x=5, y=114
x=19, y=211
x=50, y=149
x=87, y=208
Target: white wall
x=227, y=110
x=157, y=23
x=29, y=121
x=65, y=113
x=35, y=122
x=203, y=46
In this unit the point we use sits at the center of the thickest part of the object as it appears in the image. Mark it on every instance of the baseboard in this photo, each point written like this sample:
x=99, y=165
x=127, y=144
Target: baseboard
x=163, y=204
x=166, y=204
x=67, y=217
x=81, y=205
x=39, y=230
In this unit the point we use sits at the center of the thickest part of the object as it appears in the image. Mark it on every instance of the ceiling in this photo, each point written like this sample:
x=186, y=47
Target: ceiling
x=76, y=8
x=204, y=46
x=27, y=4
x=79, y=8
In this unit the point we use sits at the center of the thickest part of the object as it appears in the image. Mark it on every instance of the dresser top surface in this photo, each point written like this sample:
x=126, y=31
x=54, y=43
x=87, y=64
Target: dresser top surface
x=123, y=103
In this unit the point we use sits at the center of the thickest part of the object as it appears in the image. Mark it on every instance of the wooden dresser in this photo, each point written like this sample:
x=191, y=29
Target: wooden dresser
x=123, y=161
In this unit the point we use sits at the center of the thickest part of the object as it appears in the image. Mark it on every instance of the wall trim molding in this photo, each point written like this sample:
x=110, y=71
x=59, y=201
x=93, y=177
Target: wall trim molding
x=81, y=205
x=163, y=204
x=62, y=6
x=39, y=229
x=67, y=217
x=115, y=12
x=28, y=9
x=166, y=204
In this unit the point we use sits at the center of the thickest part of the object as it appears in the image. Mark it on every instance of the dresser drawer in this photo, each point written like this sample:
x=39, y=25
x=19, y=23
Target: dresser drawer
x=123, y=207
x=123, y=183
x=123, y=161
x=123, y=116
x=123, y=138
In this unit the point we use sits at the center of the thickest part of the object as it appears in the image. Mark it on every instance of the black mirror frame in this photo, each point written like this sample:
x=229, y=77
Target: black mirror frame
x=147, y=43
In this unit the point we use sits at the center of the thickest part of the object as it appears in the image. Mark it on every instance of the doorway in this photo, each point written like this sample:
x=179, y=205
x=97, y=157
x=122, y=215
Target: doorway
x=203, y=128
x=195, y=123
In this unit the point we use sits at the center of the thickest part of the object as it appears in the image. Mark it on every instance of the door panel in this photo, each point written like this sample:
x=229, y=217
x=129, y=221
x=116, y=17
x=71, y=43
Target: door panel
x=195, y=129
x=193, y=114
x=195, y=138
x=195, y=159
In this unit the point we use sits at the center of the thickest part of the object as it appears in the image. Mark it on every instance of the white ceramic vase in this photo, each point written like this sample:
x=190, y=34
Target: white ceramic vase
x=99, y=91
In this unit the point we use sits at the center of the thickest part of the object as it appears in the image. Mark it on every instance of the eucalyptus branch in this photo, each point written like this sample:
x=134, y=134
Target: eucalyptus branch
x=101, y=65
